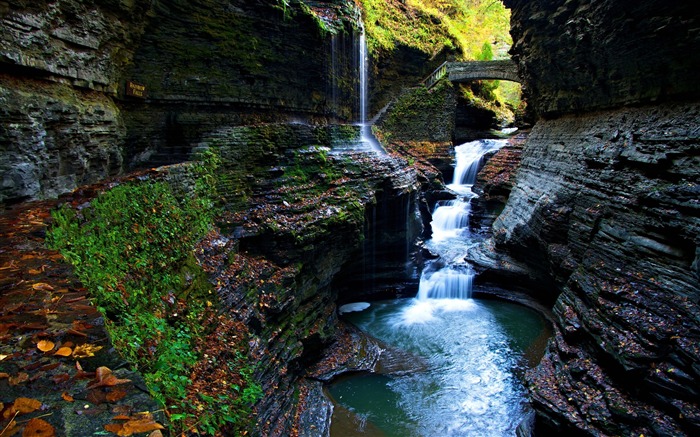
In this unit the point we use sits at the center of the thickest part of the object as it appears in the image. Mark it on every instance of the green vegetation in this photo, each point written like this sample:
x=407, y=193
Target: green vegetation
x=419, y=113
x=133, y=249
x=432, y=25
x=311, y=164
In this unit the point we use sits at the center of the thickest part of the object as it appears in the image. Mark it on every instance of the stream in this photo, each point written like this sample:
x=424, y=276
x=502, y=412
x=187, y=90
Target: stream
x=464, y=359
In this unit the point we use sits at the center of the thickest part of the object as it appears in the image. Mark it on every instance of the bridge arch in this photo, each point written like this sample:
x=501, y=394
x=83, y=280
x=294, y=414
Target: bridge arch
x=474, y=70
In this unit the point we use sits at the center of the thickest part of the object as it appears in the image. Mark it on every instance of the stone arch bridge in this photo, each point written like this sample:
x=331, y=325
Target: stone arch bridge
x=474, y=70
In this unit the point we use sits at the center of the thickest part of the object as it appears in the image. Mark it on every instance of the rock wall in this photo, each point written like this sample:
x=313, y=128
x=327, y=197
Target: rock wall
x=54, y=138
x=283, y=241
x=580, y=55
x=66, y=65
x=605, y=215
x=62, y=62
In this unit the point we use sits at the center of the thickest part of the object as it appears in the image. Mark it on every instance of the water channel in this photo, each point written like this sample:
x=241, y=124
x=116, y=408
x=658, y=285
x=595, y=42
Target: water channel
x=464, y=358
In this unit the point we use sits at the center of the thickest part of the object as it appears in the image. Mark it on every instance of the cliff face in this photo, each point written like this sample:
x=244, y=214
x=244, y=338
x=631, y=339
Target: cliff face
x=62, y=62
x=300, y=219
x=204, y=63
x=605, y=212
x=583, y=55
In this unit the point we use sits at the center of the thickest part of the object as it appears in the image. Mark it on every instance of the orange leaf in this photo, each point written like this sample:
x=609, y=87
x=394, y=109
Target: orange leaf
x=140, y=425
x=4, y=375
x=156, y=433
x=10, y=413
x=42, y=286
x=10, y=429
x=116, y=395
x=105, y=378
x=45, y=345
x=26, y=405
x=38, y=428
x=66, y=397
x=63, y=352
x=115, y=428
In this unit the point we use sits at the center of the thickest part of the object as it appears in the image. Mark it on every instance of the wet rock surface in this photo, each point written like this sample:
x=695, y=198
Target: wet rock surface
x=55, y=353
x=300, y=222
x=66, y=66
x=604, y=213
x=606, y=207
x=55, y=138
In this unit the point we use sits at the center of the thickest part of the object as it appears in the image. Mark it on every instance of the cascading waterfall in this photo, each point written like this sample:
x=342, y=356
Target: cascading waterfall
x=451, y=235
x=459, y=377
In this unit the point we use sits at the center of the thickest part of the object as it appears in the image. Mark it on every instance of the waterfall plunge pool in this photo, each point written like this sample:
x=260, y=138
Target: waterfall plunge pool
x=472, y=354
x=464, y=359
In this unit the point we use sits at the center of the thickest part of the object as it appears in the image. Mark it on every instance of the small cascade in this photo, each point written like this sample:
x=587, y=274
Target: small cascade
x=451, y=237
x=450, y=218
x=446, y=283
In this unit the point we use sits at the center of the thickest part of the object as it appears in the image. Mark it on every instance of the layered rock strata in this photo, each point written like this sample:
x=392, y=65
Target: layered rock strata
x=72, y=67
x=605, y=214
x=302, y=218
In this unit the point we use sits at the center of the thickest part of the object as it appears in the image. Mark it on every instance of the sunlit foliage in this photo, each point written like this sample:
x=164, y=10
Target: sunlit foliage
x=432, y=25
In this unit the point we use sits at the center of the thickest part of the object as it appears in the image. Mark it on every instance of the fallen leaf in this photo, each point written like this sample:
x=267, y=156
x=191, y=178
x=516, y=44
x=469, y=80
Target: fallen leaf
x=78, y=333
x=9, y=429
x=122, y=410
x=63, y=352
x=116, y=395
x=4, y=375
x=20, y=378
x=9, y=413
x=96, y=397
x=105, y=378
x=156, y=433
x=26, y=405
x=48, y=367
x=3, y=356
x=45, y=345
x=38, y=428
x=60, y=379
x=114, y=428
x=34, y=271
x=42, y=286
x=66, y=397
x=85, y=350
x=140, y=425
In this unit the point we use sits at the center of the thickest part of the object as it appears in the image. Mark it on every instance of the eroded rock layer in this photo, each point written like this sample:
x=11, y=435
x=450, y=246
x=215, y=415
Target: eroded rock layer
x=604, y=214
x=607, y=205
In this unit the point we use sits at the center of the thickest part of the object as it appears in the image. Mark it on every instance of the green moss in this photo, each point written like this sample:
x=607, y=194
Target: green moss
x=132, y=248
x=420, y=113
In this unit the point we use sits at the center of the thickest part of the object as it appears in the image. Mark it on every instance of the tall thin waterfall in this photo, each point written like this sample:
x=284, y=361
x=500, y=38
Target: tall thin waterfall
x=367, y=137
x=451, y=237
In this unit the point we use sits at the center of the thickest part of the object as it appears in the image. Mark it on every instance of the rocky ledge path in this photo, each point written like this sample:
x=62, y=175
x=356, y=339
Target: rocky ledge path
x=59, y=374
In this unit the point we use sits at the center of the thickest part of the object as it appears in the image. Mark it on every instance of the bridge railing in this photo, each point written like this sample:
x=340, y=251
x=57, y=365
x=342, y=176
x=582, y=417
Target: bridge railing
x=503, y=69
x=435, y=76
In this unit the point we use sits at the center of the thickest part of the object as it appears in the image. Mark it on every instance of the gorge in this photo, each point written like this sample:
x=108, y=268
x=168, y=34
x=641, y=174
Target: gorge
x=594, y=214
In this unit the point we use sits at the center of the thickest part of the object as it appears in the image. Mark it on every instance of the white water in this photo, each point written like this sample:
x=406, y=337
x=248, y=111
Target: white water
x=467, y=350
x=367, y=138
x=447, y=282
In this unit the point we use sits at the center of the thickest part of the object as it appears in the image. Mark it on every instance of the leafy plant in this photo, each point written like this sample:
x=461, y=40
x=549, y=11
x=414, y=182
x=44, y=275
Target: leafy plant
x=133, y=248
